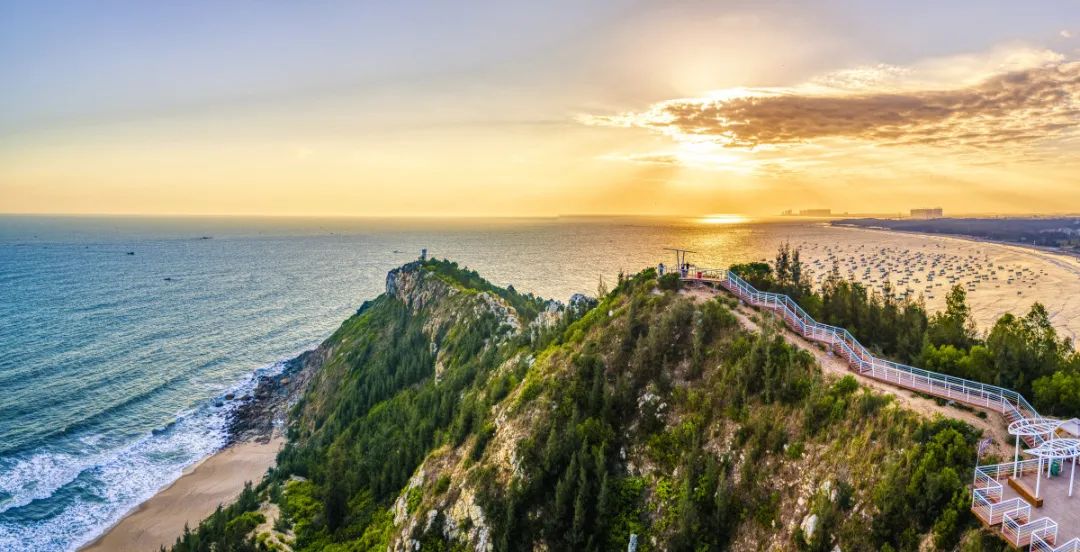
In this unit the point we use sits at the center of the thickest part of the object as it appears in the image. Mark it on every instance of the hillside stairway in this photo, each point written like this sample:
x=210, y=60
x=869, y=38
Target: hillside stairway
x=1018, y=526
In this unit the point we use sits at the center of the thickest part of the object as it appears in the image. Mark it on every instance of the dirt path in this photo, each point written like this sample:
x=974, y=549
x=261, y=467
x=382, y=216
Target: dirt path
x=751, y=320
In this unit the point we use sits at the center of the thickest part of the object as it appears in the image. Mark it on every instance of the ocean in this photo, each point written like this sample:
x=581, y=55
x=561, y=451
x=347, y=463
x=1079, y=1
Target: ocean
x=120, y=335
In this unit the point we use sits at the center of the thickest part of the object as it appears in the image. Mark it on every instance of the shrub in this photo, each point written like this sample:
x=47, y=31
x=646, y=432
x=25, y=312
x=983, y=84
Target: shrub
x=669, y=282
x=442, y=484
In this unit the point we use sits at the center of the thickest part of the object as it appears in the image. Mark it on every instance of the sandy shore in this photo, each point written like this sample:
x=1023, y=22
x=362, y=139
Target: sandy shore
x=216, y=480
x=1058, y=289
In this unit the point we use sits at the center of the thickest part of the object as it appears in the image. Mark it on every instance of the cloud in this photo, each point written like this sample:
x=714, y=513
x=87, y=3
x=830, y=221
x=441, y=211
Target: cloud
x=862, y=78
x=703, y=156
x=1033, y=99
x=1065, y=33
x=649, y=158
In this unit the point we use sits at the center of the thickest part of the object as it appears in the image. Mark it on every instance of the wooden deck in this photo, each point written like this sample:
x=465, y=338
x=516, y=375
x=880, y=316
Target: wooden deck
x=1057, y=504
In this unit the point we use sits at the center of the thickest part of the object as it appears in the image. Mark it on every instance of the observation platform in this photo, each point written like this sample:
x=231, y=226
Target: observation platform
x=1057, y=504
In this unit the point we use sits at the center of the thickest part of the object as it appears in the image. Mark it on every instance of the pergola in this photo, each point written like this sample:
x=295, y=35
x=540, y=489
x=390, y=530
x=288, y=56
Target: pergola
x=1056, y=449
x=1031, y=427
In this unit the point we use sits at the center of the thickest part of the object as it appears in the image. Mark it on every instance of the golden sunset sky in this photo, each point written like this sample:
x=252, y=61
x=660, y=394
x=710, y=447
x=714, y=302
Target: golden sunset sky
x=539, y=108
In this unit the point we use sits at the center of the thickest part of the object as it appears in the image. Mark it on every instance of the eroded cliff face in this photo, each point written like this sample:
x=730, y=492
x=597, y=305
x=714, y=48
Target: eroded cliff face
x=415, y=287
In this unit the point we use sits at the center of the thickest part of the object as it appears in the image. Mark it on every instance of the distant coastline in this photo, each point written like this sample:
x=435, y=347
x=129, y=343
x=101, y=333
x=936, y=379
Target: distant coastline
x=1048, y=234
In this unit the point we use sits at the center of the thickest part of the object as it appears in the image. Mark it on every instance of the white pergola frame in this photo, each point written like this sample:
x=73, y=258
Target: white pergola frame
x=1043, y=428
x=1057, y=449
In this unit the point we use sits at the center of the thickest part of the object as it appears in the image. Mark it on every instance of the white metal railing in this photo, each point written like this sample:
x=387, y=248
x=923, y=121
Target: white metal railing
x=1007, y=401
x=1013, y=520
x=986, y=491
x=1008, y=469
x=1020, y=531
x=994, y=513
x=986, y=476
x=1040, y=545
x=1018, y=516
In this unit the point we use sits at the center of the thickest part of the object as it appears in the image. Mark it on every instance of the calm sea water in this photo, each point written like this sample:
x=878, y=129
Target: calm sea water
x=119, y=334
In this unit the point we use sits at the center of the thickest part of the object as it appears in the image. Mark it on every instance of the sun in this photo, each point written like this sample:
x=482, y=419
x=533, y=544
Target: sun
x=723, y=218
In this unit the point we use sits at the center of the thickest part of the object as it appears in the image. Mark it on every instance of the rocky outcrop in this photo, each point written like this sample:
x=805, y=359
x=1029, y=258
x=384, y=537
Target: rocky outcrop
x=809, y=525
x=443, y=302
x=412, y=285
x=263, y=413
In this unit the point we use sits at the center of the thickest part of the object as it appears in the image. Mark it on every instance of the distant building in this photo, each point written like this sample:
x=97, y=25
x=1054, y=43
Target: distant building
x=926, y=213
x=817, y=212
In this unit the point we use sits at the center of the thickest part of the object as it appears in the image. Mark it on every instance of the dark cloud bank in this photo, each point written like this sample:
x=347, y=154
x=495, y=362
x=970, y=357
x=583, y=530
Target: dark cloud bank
x=1021, y=107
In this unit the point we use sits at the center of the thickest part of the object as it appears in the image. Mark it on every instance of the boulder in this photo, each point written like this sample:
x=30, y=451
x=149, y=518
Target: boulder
x=809, y=525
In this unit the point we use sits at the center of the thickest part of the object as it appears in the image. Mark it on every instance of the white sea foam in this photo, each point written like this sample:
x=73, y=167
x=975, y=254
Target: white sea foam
x=37, y=476
x=109, y=484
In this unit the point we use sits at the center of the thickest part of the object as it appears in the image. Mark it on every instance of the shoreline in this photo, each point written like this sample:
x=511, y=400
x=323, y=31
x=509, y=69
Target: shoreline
x=256, y=436
x=986, y=310
x=216, y=479
x=968, y=237
x=1044, y=252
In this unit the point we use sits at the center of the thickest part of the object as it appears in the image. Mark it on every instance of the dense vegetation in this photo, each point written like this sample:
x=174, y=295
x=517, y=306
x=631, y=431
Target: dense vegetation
x=225, y=529
x=651, y=414
x=674, y=409
x=378, y=409
x=1020, y=353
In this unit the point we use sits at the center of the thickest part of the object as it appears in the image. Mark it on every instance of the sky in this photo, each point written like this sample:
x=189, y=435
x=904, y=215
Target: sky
x=673, y=107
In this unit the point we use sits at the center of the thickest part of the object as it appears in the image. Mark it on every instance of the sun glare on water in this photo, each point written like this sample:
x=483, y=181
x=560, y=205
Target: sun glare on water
x=723, y=218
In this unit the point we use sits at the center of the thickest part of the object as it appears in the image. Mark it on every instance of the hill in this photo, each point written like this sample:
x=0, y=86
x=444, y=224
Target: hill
x=450, y=414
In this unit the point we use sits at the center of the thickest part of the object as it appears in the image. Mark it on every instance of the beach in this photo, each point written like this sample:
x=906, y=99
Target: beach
x=256, y=436
x=216, y=480
x=998, y=277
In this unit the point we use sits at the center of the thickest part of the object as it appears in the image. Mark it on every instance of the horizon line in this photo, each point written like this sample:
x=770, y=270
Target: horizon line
x=840, y=215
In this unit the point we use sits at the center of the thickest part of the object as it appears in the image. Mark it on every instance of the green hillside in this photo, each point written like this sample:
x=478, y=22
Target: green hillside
x=450, y=414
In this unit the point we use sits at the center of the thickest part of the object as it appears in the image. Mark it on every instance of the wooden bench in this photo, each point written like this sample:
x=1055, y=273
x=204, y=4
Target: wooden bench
x=1026, y=492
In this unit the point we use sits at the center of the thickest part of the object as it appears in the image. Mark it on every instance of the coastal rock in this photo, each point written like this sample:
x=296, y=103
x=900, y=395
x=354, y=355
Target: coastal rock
x=263, y=413
x=410, y=284
x=581, y=303
x=809, y=525
x=443, y=304
x=401, y=505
